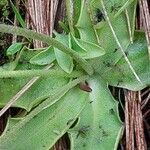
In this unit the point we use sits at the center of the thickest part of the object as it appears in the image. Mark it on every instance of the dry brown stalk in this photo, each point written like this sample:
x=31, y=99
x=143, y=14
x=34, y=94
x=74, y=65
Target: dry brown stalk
x=135, y=138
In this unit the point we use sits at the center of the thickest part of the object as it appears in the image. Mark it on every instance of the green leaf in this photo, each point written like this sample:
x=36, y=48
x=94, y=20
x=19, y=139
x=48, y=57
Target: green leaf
x=64, y=27
x=99, y=126
x=9, y=66
x=86, y=49
x=6, y=13
x=46, y=127
x=43, y=58
x=14, y=48
x=103, y=33
x=69, y=13
x=120, y=74
x=18, y=16
x=77, y=9
x=63, y=59
x=114, y=7
x=107, y=41
x=131, y=12
x=85, y=25
x=42, y=87
x=51, y=41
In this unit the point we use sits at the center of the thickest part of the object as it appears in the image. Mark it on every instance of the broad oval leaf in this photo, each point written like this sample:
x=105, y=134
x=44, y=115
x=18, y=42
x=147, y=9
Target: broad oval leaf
x=63, y=59
x=15, y=47
x=99, y=127
x=43, y=58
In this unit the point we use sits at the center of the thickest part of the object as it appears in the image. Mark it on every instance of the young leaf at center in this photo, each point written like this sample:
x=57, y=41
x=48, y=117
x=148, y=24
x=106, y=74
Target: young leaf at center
x=63, y=59
x=86, y=49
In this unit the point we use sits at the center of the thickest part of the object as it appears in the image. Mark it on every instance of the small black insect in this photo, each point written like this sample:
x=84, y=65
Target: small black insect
x=99, y=15
x=111, y=111
x=107, y=64
x=82, y=131
x=115, y=50
x=91, y=102
x=100, y=126
x=115, y=8
x=104, y=133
